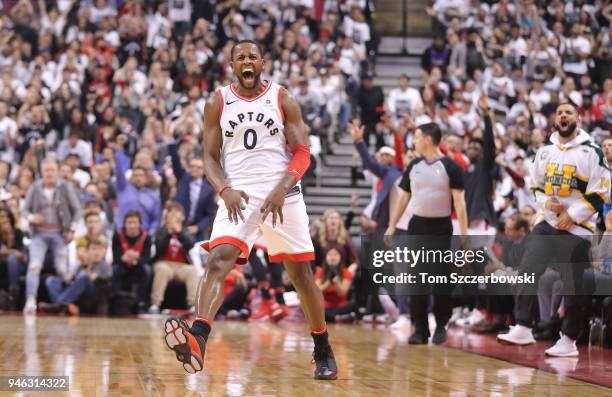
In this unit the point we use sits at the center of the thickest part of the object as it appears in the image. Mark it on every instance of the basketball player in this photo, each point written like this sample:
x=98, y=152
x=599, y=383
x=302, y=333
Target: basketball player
x=256, y=151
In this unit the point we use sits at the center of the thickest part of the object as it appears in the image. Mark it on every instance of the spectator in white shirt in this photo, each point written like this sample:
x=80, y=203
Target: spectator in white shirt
x=446, y=10
x=160, y=28
x=130, y=78
x=467, y=115
x=403, y=100
x=70, y=171
x=52, y=21
x=356, y=28
x=517, y=47
x=350, y=57
x=449, y=123
x=330, y=88
x=8, y=134
x=538, y=95
x=100, y=10
x=74, y=145
x=575, y=51
x=552, y=81
x=179, y=12
x=569, y=93
x=498, y=87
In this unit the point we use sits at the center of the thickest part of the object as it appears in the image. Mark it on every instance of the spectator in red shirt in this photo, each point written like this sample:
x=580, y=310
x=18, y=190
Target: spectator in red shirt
x=132, y=257
x=235, y=293
x=335, y=280
x=172, y=245
x=590, y=112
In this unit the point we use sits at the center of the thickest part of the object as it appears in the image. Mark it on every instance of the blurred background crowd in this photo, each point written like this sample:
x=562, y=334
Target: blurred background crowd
x=103, y=195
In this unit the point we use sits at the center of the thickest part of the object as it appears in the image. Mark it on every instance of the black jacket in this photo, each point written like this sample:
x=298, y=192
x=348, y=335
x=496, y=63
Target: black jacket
x=371, y=102
x=162, y=240
x=145, y=254
x=478, y=179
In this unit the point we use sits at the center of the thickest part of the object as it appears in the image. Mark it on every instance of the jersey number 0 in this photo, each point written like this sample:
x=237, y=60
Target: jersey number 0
x=247, y=134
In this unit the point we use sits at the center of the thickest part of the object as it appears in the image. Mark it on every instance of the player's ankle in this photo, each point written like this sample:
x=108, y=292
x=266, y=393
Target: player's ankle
x=320, y=336
x=201, y=327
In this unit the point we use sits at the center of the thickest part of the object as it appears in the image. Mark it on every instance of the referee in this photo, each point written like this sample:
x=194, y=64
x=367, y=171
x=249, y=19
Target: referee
x=431, y=184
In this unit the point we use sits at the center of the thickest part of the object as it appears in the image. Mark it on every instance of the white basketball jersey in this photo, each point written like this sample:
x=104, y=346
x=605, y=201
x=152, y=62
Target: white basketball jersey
x=254, y=150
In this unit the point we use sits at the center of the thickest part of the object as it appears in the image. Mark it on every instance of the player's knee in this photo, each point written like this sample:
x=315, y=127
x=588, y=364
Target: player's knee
x=219, y=265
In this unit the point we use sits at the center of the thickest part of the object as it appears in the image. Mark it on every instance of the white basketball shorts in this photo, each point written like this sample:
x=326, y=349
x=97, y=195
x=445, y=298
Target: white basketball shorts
x=289, y=240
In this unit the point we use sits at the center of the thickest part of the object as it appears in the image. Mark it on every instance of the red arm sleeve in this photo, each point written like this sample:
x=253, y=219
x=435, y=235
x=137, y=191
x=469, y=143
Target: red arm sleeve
x=300, y=161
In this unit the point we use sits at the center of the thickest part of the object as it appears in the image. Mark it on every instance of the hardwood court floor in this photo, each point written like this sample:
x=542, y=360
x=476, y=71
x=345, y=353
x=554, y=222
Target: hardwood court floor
x=127, y=357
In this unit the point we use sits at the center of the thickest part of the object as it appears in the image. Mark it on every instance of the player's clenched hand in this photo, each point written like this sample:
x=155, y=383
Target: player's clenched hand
x=274, y=204
x=234, y=203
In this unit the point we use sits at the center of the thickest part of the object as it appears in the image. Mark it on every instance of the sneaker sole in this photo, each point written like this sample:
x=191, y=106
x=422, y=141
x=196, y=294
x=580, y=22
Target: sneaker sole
x=439, y=342
x=333, y=377
x=506, y=342
x=176, y=340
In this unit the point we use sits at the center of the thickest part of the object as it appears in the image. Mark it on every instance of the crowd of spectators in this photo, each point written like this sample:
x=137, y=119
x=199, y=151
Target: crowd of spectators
x=102, y=186
x=102, y=182
x=521, y=59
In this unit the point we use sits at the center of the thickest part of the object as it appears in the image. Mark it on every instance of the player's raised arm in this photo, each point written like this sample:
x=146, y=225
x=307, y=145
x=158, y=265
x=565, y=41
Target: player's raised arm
x=212, y=164
x=296, y=133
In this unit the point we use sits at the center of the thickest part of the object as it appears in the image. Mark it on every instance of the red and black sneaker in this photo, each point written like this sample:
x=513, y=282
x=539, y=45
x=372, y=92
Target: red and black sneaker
x=325, y=363
x=263, y=313
x=189, y=348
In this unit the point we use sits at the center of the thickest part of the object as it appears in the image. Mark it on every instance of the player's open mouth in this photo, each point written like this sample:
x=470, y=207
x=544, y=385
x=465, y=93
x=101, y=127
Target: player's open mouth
x=248, y=75
x=564, y=124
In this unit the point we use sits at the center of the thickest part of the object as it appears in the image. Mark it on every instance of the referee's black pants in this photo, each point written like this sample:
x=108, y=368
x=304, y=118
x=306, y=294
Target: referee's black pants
x=436, y=234
x=544, y=246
